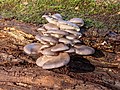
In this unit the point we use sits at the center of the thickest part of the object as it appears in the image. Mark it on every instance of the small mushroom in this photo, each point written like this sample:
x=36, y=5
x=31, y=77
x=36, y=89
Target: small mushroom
x=65, y=41
x=56, y=61
x=78, y=34
x=59, y=47
x=50, y=26
x=48, y=51
x=84, y=50
x=71, y=37
x=67, y=25
x=49, y=39
x=38, y=37
x=57, y=16
x=71, y=50
x=41, y=29
x=77, y=21
x=60, y=32
x=50, y=19
x=32, y=48
x=44, y=46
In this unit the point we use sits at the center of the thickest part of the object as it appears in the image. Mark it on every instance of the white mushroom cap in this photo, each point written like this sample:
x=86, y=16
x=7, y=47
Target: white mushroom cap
x=41, y=29
x=59, y=47
x=65, y=41
x=50, y=19
x=76, y=41
x=44, y=46
x=48, y=51
x=32, y=48
x=67, y=25
x=71, y=37
x=61, y=32
x=84, y=50
x=56, y=61
x=57, y=16
x=56, y=35
x=74, y=32
x=50, y=26
x=49, y=39
x=78, y=21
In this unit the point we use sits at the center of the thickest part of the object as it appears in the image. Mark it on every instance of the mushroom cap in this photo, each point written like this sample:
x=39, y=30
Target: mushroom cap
x=47, y=51
x=56, y=61
x=67, y=25
x=44, y=46
x=57, y=16
x=61, y=32
x=50, y=26
x=74, y=32
x=77, y=21
x=38, y=37
x=71, y=37
x=84, y=50
x=41, y=29
x=71, y=50
x=49, y=39
x=50, y=19
x=59, y=47
x=32, y=48
x=65, y=41
x=76, y=41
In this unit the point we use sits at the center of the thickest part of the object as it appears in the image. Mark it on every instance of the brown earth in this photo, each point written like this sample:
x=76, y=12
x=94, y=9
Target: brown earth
x=18, y=70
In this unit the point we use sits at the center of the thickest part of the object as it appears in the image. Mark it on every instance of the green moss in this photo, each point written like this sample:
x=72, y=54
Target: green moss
x=34, y=9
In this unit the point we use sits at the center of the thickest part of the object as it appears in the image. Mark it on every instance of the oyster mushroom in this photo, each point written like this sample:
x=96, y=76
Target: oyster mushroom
x=71, y=37
x=47, y=51
x=65, y=41
x=77, y=34
x=32, y=48
x=59, y=47
x=56, y=61
x=50, y=19
x=49, y=39
x=57, y=16
x=77, y=21
x=71, y=50
x=84, y=50
x=50, y=26
x=67, y=25
x=38, y=37
x=60, y=32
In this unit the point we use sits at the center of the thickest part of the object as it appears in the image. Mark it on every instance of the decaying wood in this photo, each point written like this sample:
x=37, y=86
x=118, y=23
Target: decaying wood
x=19, y=72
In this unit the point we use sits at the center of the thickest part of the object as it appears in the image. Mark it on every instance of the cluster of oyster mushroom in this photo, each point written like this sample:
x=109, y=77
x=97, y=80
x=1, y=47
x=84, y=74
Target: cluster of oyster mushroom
x=57, y=39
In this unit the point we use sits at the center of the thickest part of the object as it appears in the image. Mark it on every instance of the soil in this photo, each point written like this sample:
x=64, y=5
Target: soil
x=18, y=70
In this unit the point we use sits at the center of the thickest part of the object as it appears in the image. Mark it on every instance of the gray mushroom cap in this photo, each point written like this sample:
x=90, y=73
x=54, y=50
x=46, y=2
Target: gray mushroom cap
x=57, y=16
x=32, y=48
x=84, y=50
x=74, y=32
x=71, y=50
x=59, y=47
x=50, y=26
x=65, y=41
x=67, y=25
x=50, y=19
x=49, y=39
x=77, y=21
x=47, y=51
x=61, y=32
x=56, y=61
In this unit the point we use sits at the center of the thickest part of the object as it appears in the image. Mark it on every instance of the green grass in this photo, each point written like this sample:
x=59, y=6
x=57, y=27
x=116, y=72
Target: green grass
x=34, y=9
